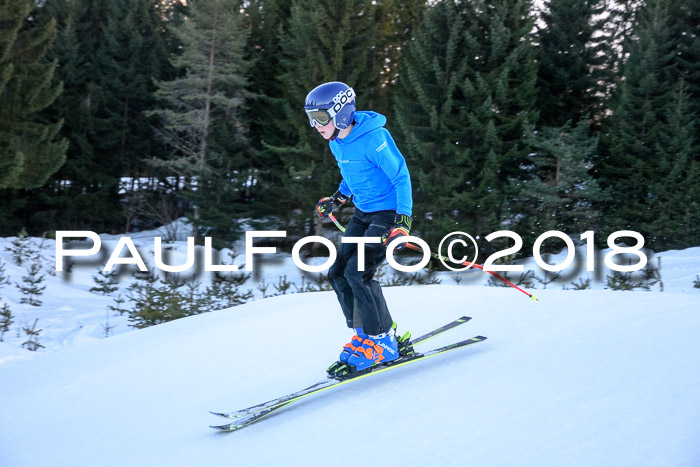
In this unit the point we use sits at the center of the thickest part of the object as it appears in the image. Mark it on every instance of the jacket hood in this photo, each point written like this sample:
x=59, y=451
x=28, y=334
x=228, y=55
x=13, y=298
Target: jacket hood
x=365, y=121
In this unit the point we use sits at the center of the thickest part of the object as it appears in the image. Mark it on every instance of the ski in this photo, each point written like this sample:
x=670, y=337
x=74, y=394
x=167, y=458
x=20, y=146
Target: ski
x=324, y=384
x=244, y=421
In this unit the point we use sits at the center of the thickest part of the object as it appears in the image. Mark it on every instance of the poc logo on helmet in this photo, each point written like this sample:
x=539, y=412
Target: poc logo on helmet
x=342, y=98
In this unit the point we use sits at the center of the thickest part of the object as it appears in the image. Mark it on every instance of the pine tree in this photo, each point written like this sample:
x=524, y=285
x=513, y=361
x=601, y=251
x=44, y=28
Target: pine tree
x=688, y=62
x=395, y=21
x=560, y=193
x=4, y=279
x=675, y=199
x=32, y=343
x=431, y=118
x=466, y=92
x=361, y=35
x=570, y=74
x=109, y=53
x=264, y=50
x=105, y=282
x=21, y=248
x=202, y=115
x=6, y=320
x=618, y=32
x=30, y=150
x=32, y=287
x=224, y=291
x=325, y=41
x=647, y=160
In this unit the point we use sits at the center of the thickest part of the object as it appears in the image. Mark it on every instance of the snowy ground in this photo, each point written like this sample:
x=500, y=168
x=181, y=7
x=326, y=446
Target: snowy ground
x=593, y=377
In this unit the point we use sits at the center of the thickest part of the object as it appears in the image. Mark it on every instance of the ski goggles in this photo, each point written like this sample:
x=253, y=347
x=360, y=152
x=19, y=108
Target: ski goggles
x=324, y=116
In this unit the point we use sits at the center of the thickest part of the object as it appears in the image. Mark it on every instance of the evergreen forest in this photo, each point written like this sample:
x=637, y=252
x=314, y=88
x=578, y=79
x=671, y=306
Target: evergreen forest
x=570, y=115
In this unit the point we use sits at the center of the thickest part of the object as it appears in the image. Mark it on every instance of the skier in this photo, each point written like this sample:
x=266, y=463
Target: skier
x=377, y=180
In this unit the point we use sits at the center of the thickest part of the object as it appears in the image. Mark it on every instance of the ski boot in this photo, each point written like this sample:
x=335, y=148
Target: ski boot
x=374, y=350
x=347, y=351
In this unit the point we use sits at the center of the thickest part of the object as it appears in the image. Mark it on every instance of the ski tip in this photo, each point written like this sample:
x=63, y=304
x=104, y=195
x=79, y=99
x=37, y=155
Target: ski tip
x=481, y=338
x=463, y=319
x=224, y=428
x=220, y=428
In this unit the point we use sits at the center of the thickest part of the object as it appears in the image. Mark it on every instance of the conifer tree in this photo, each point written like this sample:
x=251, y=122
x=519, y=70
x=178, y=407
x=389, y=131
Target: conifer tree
x=324, y=41
x=396, y=20
x=647, y=159
x=431, y=117
x=32, y=343
x=4, y=279
x=688, y=62
x=360, y=38
x=109, y=53
x=105, y=282
x=676, y=191
x=30, y=148
x=201, y=118
x=6, y=320
x=618, y=32
x=560, y=193
x=466, y=92
x=21, y=248
x=571, y=59
x=31, y=286
x=267, y=18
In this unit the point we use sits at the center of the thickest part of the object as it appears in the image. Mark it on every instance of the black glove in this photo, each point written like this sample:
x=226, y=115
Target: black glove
x=401, y=228
x=326, y=206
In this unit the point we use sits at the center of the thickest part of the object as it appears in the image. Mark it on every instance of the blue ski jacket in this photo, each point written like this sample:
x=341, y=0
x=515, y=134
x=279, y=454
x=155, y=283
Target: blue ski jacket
x=373, y=169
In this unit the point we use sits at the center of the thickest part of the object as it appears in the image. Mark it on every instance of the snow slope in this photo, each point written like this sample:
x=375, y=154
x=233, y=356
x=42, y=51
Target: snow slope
x=590, y=377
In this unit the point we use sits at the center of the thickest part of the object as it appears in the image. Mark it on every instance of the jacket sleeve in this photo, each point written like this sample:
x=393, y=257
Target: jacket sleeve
x=386, y=155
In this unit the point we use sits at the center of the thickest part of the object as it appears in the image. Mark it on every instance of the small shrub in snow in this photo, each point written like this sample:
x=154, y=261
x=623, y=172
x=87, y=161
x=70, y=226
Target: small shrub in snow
x=645, y=279
x=21, y=248
x=319, y=284
x=107, y=328
x=4, y=279
x=32, y=342
x=168, y=299
x=105, y=282
x=48, y=261
x=652, y=276
x=549, y=277
x=117, y=307
x=224, y=291
x=6, y=320
x=424, y=279
x=624, y=281
x=282, y=285
x=581, y=284
x=32, y=288
x=525, y=280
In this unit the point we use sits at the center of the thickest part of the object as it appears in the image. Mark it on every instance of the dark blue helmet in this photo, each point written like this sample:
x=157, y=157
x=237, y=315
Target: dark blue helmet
x=331, y=101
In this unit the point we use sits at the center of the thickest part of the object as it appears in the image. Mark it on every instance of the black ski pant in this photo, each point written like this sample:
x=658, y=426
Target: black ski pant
x=360, y=296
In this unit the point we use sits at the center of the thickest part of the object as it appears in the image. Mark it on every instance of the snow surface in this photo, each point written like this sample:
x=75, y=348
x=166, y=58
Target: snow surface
x=592, y=377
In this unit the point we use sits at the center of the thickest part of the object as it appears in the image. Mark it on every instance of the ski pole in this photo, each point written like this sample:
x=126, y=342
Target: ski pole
x=443, y=258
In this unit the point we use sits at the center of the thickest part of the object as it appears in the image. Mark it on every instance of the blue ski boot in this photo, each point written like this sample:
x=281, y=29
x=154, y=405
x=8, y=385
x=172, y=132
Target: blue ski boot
x=374, y=350
x=348, y=350
x=351, y=346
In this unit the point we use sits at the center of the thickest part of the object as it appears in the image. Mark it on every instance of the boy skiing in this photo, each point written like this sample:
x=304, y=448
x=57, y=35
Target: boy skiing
x=375, y=176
